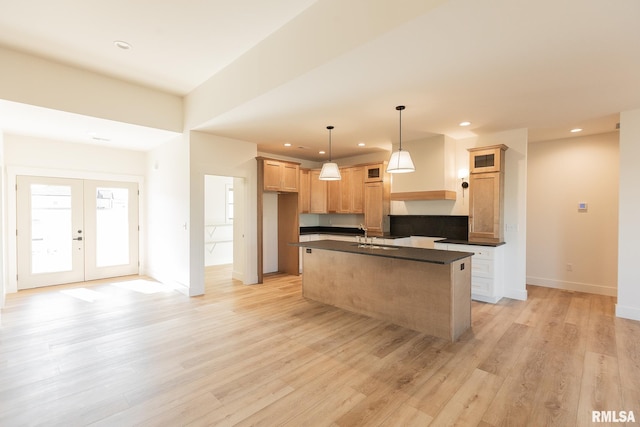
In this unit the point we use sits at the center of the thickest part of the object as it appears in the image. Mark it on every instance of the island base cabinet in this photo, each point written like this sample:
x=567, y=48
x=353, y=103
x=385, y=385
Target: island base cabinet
x=426, y=297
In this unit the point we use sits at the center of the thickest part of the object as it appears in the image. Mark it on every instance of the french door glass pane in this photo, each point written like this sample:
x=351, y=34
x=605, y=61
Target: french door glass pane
x=51, y=243
x=112, y=226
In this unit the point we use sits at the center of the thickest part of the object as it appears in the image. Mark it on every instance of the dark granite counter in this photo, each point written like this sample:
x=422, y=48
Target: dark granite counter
x=342, y=231
x=433, y=256
x=466, y=242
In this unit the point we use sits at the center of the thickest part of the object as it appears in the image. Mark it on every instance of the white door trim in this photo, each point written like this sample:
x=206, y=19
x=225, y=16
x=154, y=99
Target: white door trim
x=11, y=226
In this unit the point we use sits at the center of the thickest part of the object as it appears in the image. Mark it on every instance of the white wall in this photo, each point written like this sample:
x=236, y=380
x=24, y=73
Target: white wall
x=628, y=305
x=563, y=173
x=167, y=217
x=65, y=88
x=43, y=157
x=218, y=247
x=215, y=155
x=3, y=227
x=240, y=201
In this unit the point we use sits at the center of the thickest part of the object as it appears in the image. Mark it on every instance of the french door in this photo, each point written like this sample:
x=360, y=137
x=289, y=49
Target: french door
x=72, y=230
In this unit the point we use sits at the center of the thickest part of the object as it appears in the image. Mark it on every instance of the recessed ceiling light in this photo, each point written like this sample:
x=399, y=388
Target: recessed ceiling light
x=122, y=44
x=321, y=152
x=576, y=130
x=361, y=144
x=287, y=144
x=465, y=123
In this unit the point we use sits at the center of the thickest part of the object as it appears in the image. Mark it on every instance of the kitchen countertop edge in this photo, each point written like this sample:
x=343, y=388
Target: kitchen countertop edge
x=434, y=256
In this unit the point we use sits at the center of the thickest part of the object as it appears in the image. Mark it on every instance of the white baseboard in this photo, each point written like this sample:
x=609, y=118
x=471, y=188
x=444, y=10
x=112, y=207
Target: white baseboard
x=237, y=275
x=516, y=294
x=482, y=298
x=627, y=312
x=573, y=286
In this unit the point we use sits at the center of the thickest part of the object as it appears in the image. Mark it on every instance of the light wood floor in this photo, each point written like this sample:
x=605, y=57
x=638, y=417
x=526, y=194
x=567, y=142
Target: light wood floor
x=102, y=354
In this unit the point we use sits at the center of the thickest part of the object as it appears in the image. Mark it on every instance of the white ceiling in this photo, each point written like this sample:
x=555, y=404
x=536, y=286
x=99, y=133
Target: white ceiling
x=546, y=65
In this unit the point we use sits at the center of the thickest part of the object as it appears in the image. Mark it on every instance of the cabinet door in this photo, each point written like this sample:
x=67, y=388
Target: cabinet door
x=304, y=195
x=345, y=191
x=334, y=189
x=272, y=175
x=357, y=189
x=290, y=177
x=487, y=159
x=485, y=216
x=374, y=173
x=373, y=207
x=318, y=190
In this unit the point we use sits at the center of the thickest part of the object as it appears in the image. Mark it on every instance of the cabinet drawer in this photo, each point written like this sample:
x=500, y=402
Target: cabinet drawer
x=480, y=252
x=481, y=285
x=482, y=267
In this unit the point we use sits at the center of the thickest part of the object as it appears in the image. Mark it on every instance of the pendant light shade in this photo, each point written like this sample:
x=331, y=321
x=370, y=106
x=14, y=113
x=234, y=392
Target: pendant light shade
x=400, y=161
x=330, y=170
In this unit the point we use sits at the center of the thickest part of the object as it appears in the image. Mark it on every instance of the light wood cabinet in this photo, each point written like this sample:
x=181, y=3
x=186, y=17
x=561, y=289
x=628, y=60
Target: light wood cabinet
x=345, y=196
x=334, y=193
x=356, y=194
x=318, y=193
x=304, y=193
x=375, y=172
x=280, y=176
x=486, y=194
x=376, y=207
x=487, y=159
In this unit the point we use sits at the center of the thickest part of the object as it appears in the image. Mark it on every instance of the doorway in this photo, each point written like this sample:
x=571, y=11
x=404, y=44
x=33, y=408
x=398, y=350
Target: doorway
x=71, y=230
x=224, y=211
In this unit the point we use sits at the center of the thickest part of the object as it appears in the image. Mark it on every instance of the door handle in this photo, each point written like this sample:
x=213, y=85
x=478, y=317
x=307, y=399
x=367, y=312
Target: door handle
x=78, y=238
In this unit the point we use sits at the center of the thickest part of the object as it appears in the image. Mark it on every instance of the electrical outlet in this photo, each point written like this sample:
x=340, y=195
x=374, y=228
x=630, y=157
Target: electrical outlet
x=569, y=267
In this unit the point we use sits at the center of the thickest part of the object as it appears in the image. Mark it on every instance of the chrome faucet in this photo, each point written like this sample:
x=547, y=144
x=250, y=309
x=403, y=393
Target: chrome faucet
x=363, y=228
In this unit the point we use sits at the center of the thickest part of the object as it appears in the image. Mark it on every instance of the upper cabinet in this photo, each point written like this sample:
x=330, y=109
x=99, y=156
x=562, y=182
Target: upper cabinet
x=487, y=159
x=486, y=194
x=353, y=193
x=318, y=192
x=345, y=196
x=279, y=175
x=374, y=172
x=304, y=195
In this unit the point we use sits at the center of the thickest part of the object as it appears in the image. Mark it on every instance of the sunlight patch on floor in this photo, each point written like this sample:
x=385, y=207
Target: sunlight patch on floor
x=84, y=294
x=144, y=286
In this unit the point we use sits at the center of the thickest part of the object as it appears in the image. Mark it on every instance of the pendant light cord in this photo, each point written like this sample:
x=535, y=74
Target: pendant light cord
x=400, y=108
x=329, y=127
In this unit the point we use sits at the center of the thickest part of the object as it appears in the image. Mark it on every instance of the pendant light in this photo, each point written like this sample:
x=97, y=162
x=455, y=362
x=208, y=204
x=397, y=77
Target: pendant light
x=330, y=170
x=400, y=161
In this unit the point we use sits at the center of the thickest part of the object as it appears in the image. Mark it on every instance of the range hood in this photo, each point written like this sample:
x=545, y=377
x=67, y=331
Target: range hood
x=435, y=177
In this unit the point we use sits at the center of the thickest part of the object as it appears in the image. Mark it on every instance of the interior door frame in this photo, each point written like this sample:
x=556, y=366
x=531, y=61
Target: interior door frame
x=11, y=242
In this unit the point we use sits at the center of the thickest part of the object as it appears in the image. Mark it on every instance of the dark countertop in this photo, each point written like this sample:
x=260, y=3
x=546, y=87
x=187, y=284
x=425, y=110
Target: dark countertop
x=342, y=231
x=466, y=242
x=434, y=256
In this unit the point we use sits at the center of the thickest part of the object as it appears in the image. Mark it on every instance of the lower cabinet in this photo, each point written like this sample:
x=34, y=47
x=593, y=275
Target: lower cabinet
x=487, y=270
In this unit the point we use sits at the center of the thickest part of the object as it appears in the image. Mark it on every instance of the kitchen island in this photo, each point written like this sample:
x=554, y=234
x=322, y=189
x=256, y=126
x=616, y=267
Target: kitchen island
x=426, y=290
